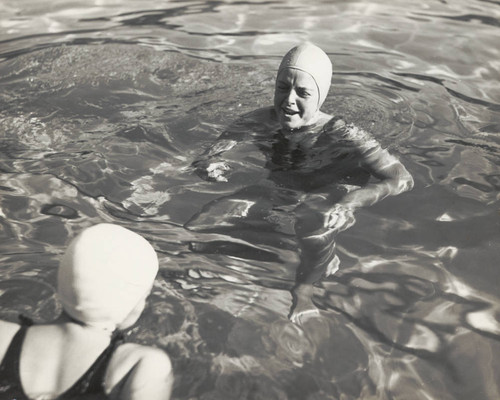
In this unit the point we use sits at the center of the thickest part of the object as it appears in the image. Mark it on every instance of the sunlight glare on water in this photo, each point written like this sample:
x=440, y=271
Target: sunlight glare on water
x=104, y=106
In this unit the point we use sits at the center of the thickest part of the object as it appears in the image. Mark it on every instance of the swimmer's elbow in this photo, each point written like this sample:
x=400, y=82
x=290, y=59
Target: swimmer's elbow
x=410, y=183
x=405, y=182
x=396, y=177
x=399, y=181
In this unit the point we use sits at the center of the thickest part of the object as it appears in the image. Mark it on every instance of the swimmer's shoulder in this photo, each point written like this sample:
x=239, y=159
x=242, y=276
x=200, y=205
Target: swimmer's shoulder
x=337, y=124
x=144, y=371
x=333, y=128
x=339, y=129
x=7, y=332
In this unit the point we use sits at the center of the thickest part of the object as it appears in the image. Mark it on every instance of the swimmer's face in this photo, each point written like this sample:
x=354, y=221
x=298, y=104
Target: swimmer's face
x=295, y=99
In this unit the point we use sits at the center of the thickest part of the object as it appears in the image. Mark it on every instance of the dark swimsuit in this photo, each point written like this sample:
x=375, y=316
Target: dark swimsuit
x=90, y=382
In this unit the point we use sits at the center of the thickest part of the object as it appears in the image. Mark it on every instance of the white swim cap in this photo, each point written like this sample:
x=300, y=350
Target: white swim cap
x=311, y=59
x=104, y=274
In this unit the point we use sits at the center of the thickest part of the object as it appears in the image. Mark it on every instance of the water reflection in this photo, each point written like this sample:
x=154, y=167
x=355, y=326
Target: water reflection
x=103, y=113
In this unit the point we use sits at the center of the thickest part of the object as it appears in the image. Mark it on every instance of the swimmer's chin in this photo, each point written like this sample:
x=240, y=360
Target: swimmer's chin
x=288, y=124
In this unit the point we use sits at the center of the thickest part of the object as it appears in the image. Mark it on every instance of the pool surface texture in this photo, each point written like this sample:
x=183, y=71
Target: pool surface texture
x=104, y=106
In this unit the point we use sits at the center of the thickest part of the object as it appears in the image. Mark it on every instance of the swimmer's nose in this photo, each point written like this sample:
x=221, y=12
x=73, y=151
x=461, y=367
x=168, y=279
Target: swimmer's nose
x=290, y=99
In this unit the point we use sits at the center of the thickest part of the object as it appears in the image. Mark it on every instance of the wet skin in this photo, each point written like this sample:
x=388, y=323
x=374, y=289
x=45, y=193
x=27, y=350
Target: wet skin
x=296, y=99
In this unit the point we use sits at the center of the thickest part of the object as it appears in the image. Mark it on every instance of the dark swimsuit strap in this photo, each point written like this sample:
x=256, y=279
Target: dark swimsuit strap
x=90, y=382
x=9, y=369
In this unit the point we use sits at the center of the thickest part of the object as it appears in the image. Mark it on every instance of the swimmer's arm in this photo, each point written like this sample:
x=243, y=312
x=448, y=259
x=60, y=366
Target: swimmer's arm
x=393, y=179
x=139, y=372
x=391, y=173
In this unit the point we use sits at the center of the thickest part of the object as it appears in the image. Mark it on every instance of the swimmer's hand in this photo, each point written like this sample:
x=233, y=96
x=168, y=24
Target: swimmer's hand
x=339, y=218
x=212, y=171
x=217, y=170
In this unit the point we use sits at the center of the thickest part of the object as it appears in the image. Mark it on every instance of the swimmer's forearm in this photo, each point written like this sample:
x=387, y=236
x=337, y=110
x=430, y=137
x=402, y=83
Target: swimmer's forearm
x=367, y=195
x=397, y=182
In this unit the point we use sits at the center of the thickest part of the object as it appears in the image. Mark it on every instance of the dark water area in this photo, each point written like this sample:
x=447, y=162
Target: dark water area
x=104, y=105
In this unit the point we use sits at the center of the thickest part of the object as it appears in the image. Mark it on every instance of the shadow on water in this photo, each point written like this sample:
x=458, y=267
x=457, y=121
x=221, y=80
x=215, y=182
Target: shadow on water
x=103, y=129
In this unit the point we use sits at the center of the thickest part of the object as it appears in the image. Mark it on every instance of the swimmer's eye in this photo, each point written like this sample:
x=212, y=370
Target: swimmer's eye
x=303, y=92
x=283, y=86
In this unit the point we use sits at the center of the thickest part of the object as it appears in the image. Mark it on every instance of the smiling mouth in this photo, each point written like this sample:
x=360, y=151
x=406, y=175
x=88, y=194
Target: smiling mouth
x=289, y=112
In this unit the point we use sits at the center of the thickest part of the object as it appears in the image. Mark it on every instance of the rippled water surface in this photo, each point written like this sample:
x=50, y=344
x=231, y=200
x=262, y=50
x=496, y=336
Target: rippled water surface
x=105, y=104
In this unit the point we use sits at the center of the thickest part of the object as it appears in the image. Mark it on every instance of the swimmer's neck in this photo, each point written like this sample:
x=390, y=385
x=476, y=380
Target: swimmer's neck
x=65, y=319
x=318, y=121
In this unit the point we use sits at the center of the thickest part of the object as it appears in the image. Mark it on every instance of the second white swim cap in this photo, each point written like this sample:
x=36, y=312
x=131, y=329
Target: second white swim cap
x=104, y=273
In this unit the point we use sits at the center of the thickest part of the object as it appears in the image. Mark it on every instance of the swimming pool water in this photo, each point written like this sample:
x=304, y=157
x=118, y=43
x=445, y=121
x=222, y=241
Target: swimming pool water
x=104, y=105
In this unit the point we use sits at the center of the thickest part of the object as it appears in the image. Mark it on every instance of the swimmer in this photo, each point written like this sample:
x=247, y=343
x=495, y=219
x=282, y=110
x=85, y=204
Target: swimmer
x=104, y=278
x=336, y=166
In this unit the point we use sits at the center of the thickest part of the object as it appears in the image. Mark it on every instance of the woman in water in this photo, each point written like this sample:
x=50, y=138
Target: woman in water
x=314, y=162
x=104, y=279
